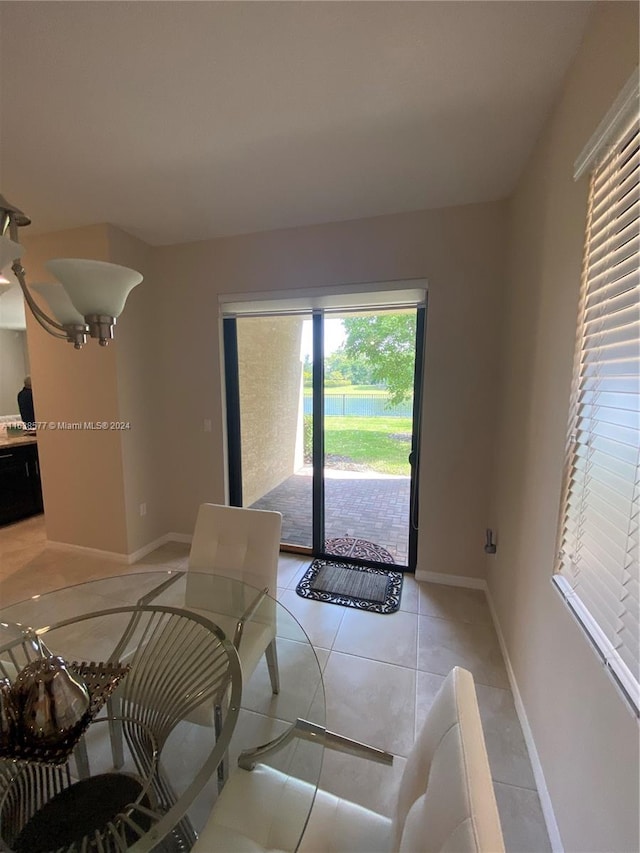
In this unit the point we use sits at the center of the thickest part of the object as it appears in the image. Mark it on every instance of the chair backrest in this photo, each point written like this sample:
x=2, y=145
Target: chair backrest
x=179, y=664
x=237, y=543
x=446, y=800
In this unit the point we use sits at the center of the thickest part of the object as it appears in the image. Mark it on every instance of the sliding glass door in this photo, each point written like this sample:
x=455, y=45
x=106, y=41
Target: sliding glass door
x=368, y=397
x=270, y=457
x=323, y=426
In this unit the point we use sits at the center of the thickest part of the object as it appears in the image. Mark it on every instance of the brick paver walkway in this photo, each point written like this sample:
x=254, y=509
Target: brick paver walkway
x=371, y=508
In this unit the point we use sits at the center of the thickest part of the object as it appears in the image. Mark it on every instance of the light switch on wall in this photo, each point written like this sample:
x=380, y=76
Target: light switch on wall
x=207, y=425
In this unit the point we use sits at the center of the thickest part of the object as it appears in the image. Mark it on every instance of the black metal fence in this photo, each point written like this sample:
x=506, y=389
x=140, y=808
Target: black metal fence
x=360, y=405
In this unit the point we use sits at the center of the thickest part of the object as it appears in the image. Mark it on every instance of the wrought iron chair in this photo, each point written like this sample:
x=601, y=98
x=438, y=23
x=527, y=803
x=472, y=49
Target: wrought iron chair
x=179, y=660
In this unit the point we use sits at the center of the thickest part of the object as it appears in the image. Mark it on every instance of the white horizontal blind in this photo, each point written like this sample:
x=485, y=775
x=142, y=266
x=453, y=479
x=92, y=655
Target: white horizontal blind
x=597, y=568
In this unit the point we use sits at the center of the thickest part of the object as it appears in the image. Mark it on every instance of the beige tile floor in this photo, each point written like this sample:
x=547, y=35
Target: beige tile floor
x=381, y=672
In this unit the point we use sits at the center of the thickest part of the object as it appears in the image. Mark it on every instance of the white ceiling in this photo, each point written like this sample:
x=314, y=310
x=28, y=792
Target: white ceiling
x=187, y=120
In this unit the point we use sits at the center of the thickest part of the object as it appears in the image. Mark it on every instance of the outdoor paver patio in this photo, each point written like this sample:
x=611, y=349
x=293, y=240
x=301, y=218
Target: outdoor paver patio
x=375, y=508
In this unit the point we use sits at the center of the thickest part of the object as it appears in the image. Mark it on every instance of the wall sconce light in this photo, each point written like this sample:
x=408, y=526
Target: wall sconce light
x=90, y=296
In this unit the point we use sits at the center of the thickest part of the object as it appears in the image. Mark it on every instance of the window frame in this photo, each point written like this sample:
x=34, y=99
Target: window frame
x=594, y=156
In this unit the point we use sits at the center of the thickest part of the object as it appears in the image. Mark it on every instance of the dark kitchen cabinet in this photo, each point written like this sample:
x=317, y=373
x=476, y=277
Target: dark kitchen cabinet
x=20, y=487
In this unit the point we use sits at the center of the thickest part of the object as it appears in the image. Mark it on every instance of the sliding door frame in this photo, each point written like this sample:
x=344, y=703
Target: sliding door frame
x=232, y=395
x=234, y=437
x=414, y=458
x=317, y=458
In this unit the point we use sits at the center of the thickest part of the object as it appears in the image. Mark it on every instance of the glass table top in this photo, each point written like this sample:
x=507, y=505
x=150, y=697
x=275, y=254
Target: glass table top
x=262, y=716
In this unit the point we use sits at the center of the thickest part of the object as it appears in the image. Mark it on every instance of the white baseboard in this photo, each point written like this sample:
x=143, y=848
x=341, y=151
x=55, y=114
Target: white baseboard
x=543, y=792
x=147, y=549
x=91, y=552
x=157, y=543
x=121, y=558
x=187, y=538
x=451, y=580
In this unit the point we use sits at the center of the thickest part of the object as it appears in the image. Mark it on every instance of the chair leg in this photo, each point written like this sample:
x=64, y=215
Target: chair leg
x=82, y=759
x=115, y=733
x=223, y=766
x=271, y=654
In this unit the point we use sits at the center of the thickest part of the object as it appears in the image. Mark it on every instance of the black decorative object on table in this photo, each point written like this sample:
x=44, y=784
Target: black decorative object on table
x=43, y=724
x=52, y=701
x=8, y=715
x=74, y=813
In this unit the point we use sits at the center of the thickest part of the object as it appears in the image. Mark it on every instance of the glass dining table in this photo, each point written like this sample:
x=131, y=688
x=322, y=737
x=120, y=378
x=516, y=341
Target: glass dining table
x=284, y=730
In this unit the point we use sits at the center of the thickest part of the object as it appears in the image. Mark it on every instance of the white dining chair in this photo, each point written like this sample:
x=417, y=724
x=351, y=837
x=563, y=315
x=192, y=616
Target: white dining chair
x=446, y=802
x=241, y=544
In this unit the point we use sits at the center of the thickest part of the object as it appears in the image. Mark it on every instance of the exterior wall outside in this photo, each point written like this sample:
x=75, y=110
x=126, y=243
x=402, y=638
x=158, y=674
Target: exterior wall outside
x=13, y=368
x=585, y=735
x=458, y=250
x=270, y=380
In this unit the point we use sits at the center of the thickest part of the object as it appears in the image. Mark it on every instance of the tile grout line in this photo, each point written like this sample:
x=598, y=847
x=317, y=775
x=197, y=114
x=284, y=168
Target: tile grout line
x=340, y=624
x=335, y=636
x=377, y=660
x=519, y=787
x=457, y=621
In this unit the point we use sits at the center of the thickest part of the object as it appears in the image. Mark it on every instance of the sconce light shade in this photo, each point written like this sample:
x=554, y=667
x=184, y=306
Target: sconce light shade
x=9, y=251
x=59, y=303
x=4, y=286
x=91, y=295
x=95, y=287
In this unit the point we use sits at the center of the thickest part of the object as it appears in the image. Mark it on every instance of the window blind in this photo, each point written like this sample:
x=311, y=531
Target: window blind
x=349, y=297
x=597, y=567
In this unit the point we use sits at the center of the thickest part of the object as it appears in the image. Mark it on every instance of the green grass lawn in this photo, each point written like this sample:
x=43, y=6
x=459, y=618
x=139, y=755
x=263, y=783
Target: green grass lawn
x=368, y=441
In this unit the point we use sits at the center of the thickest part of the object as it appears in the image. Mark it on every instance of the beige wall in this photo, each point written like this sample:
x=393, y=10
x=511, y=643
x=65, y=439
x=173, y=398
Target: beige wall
x=95, y=481
x=459, y=250
x=140, y=384
x=586, y=737
x=270, y=373
x=82, y=476
x=13, y=368
x=164, y=375
x=163, y=372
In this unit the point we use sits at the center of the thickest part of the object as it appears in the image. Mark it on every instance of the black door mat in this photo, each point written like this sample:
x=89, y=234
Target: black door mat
x=348, y=546
x=376, y=590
